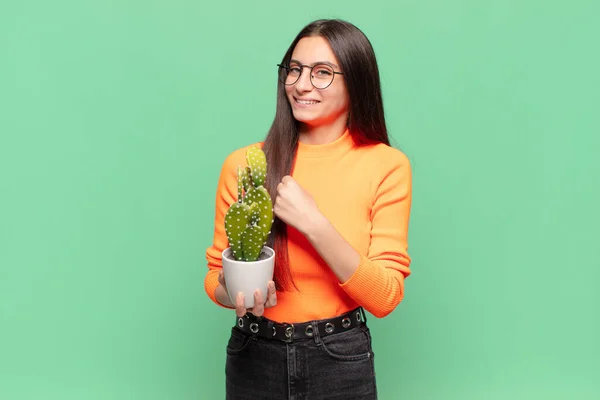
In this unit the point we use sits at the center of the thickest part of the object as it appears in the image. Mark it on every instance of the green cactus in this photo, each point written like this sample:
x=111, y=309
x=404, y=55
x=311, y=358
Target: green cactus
x=248, y=221
x=257, y=162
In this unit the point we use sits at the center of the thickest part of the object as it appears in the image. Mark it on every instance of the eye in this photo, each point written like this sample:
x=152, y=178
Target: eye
x=322, y=71
x=294, y=69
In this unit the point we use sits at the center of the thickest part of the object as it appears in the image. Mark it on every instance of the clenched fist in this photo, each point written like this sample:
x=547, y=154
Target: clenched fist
x=295, y=206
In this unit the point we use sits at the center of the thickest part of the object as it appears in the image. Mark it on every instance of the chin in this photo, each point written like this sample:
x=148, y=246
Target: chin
x=304, y=117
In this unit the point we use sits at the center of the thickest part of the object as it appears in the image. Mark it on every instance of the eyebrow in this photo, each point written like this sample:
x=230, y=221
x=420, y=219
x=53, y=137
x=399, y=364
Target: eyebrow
x=318, y=62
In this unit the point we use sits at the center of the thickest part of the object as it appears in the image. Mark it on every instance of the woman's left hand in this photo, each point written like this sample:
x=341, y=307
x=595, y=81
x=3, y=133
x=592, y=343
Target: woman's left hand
x=295, y=206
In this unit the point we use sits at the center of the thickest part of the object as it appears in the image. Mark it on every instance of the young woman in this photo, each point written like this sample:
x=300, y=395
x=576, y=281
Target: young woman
x=342, y=198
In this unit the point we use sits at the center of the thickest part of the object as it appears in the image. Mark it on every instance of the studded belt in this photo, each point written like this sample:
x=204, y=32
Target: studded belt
x=288, y=332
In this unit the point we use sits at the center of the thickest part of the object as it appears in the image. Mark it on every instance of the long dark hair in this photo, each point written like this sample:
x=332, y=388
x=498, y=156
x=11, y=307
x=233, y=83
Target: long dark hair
x=366, y=122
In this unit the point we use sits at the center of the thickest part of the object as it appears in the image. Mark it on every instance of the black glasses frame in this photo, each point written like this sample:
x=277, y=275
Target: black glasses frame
x=287, y=68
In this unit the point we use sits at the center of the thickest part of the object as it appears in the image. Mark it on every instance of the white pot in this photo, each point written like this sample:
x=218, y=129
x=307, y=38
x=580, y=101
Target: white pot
x=247, y=276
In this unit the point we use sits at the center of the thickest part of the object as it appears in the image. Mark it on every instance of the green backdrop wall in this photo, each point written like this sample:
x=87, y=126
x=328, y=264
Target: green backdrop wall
x=115, y=117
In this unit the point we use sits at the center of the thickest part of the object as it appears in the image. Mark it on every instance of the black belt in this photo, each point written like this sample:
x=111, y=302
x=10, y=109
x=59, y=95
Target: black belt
x=286, y=332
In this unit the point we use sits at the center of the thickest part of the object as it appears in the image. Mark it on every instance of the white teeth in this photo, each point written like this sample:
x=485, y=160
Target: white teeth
x=306, y=101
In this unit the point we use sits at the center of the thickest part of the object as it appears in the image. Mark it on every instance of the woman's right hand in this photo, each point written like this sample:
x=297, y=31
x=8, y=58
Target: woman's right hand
x=259, y=304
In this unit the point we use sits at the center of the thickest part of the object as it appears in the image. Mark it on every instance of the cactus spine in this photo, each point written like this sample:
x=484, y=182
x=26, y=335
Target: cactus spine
x=248, y=221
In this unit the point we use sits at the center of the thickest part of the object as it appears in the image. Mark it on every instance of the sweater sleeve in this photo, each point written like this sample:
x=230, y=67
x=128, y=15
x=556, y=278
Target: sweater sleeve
x=378, y=282
x=226, y=195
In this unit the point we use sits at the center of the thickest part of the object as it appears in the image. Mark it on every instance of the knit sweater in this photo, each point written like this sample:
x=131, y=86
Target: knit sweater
x=365, y=192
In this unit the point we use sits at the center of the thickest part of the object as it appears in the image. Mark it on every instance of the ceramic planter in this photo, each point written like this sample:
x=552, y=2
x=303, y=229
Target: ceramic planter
x=247, y=276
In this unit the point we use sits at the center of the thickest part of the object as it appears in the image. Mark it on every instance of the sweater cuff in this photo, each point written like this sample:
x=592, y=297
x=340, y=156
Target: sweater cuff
x=376, y=288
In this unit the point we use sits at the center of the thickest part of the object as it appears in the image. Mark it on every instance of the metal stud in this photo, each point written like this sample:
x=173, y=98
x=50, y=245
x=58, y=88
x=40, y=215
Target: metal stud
x=309, y=331
x=240, y=322
x=254, y=327
x=329, y=327
x=346, y=322
x=288, y=332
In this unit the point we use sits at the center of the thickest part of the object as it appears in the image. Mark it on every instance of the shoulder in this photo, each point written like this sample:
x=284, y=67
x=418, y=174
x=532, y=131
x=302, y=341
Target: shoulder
x=385, y=158
x=389, y=171
x=385, y=169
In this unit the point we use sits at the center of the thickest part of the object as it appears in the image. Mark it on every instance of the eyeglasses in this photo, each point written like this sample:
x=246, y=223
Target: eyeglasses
x=321, y=75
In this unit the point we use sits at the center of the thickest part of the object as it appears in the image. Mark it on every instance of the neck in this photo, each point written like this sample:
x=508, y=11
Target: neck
x=322, y=134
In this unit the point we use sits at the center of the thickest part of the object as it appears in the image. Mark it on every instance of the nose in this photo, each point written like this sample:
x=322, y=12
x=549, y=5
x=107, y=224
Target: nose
x=304, y=84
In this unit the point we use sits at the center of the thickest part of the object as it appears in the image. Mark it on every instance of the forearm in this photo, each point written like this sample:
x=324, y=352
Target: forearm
x=377, y=285
x=341, y=257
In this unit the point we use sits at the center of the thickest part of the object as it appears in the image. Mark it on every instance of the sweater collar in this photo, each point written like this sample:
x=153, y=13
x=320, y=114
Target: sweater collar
x=339, y=146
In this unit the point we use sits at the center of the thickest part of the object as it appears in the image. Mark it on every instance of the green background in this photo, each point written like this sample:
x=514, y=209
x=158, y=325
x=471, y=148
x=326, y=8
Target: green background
x=115, y=117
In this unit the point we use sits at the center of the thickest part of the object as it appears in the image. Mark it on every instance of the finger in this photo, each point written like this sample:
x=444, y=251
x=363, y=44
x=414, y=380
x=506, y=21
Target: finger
x=277, y=205
x=240, y=310
x=279, y=213
x=286, y=179
x=221, y=278
x=259, y=304
x=281, y=200
x=271, y=295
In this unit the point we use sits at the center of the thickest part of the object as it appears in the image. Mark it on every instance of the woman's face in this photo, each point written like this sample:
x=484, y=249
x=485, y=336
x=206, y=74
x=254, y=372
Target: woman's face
x=310, y=105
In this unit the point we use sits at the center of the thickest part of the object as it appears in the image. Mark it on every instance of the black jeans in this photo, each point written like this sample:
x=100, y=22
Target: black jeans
x=337, y=366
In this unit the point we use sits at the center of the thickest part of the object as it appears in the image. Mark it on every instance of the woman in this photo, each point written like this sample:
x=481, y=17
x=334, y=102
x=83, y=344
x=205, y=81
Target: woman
x=342, y=199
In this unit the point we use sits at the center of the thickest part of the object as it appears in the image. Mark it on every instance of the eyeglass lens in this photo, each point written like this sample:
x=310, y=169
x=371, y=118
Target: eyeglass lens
x=321, y=75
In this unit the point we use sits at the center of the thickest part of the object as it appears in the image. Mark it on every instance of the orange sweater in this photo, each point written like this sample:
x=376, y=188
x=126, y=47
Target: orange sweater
x=366, y=194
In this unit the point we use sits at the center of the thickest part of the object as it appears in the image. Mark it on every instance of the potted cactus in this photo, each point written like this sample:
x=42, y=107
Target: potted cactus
x=248, y=264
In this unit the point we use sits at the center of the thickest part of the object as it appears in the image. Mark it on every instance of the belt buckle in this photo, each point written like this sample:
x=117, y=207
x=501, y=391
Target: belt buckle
x=289, y=333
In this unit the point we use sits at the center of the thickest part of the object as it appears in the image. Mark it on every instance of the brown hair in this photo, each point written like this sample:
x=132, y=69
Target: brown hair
x=366, y=122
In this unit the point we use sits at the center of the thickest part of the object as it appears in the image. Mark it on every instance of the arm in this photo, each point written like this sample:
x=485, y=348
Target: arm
x=378, y=280
x=374, y=280
x=341, y=257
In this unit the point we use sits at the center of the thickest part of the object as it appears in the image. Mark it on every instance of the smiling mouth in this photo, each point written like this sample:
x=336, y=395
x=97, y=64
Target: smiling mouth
x=306, y=102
